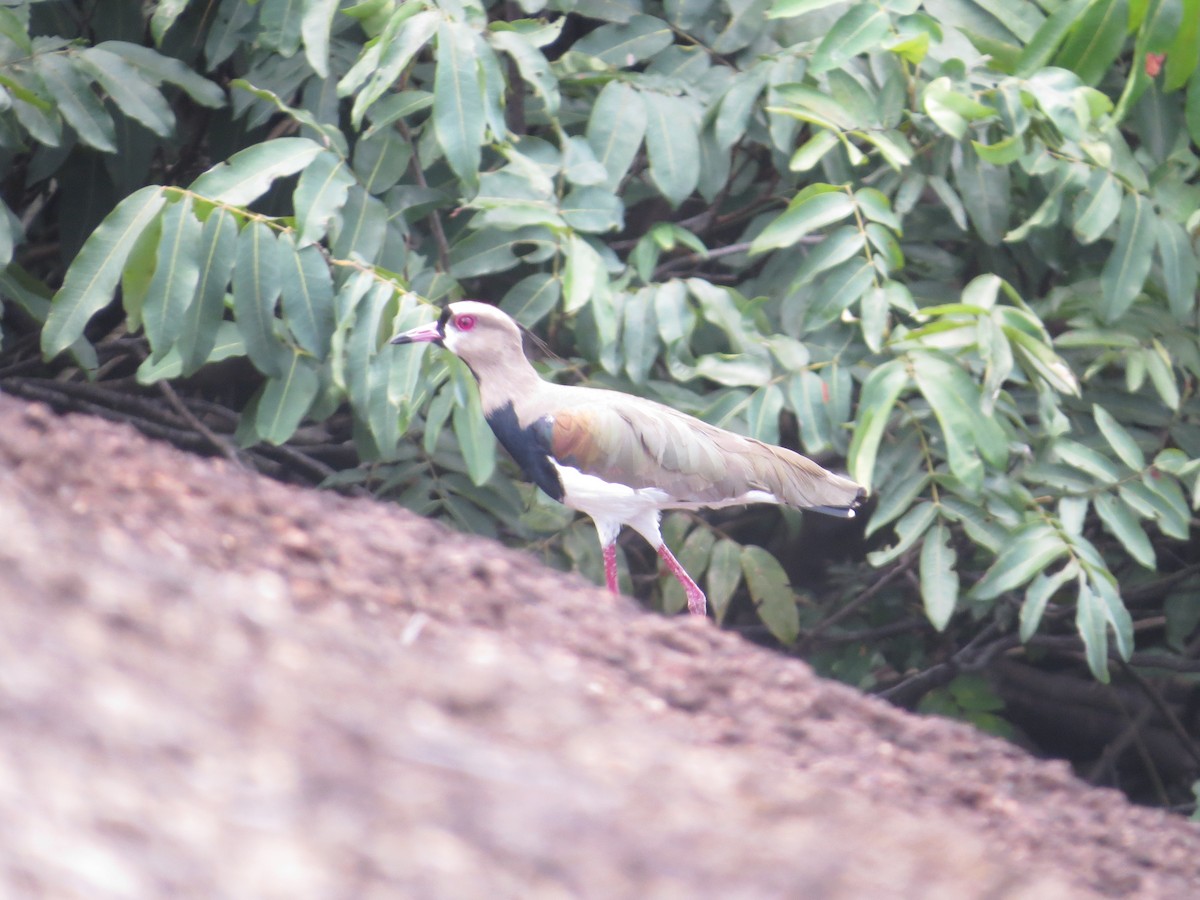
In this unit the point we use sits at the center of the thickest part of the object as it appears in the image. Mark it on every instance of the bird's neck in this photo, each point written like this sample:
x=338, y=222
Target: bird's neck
x=505, y=380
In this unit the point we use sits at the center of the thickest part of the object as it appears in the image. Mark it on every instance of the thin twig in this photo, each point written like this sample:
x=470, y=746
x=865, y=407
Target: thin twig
x=220, y=443
x=1164, y=710
x=435, y=221
x=858, y=602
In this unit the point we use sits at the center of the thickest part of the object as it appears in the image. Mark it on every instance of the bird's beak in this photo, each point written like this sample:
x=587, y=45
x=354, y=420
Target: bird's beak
x=422, y=334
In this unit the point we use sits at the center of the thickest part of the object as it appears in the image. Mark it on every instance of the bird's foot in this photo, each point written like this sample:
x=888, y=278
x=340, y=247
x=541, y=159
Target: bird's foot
x=697, y=602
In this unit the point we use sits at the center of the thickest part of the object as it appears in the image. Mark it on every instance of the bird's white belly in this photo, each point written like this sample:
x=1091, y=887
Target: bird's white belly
x=612, y=505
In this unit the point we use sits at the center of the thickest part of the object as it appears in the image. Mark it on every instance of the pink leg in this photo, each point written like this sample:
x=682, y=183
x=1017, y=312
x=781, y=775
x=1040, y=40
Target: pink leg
x=610, y=567
x=697, y=603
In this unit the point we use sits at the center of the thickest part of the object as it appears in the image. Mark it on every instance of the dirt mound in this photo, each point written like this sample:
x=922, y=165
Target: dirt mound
x=217, y=685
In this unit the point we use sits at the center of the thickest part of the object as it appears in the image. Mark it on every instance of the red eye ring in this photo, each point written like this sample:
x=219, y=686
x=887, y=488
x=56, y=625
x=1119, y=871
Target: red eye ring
x=464, y=322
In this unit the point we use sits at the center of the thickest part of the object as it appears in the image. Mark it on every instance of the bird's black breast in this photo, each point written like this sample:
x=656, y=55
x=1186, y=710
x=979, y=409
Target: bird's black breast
x=529, y=446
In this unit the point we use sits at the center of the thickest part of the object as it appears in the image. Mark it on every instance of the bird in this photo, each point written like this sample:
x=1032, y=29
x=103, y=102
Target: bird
x=619, y=458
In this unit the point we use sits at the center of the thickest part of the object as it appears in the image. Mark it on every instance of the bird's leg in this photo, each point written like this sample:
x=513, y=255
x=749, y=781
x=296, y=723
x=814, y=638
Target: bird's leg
x=610, y=567
x=697, y=603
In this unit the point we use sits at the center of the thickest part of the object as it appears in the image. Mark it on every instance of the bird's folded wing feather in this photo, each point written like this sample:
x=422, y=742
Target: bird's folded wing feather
x=643, y=444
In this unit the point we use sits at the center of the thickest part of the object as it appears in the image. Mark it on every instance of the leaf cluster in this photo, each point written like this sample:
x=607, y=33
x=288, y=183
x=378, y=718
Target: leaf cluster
x=950, y=244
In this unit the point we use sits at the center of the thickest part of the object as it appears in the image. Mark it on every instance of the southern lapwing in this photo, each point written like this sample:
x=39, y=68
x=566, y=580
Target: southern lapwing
x=621, y=459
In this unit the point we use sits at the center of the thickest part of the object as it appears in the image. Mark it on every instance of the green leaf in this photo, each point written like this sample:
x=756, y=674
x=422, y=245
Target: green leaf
x=582, y=275
x=532, y=298
x=808, y=398
x=1096, y=206
x=723, y=576
x=812, y=151
x=909, y=529
x=492, y=79
x=78, y=105
x=257, y=279
x=159, y=68
x=839, y=289
x=1038, y=595
x=138, y=272
x=949, y=109
x=316, y=22
x=671, y=145
x=815, y=107
x=1179, y=268
x=1105, y=586
x=1003, y=152
x=217, y=250
x=307, y=296
x=133, y=96
x=1164, y=494
x=737, y=106
x=484, y=253
x=621, y=45
x=593, y=209
x=362, y=227
x=899, y=497
x=772, y=593
x=862, y=28
x=639, y=335
x=762, y=413
x=616, y=128
x=969, y=436
x=402, y=39
x=394, y=107
x=1092, y=625
x=1184, y=54
x=320, y=194
x=786, y=8
x=985, y=191
x=1041, y=361
x=1046, y=40
x=1162, y=374
x=279, y=24
x=1031, y=550
x=176, y=274
x=1118, y=438
x=879, y=395
x=939, y=580
x=1085, y=459
x=1096, y=40
x=165, y=14
x=475, y=438
x=1129, y=263
x=285, y=400
x=381, y=159
x=458, y=119
x=1120, y=522
x=842, y=244
x=532, y=65
x=875, y=205
x=980, y=526
x=950, y=199
x=810, y=210
x=249, y=174
x=436, y=417
x=92, y=279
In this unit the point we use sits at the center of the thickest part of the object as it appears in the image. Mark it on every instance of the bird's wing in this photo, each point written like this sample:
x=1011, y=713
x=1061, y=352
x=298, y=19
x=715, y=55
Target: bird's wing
x=644, y=444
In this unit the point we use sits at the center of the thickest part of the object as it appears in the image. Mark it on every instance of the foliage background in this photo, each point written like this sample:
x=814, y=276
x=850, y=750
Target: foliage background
x=947, y=245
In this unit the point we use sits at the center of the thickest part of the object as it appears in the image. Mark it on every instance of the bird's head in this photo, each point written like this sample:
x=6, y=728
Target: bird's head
x=480, y=335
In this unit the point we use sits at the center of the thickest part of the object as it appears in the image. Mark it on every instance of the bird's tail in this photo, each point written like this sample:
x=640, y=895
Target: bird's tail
x=798, y=481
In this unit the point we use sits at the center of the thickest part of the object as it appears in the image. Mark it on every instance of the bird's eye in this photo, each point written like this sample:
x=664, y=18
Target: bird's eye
x=464, y=323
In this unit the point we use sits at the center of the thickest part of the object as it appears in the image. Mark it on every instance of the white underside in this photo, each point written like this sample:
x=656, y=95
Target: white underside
x=613, y=505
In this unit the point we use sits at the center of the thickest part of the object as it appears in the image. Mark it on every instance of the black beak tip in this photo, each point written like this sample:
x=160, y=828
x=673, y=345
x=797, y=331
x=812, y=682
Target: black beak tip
x=401, y=339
